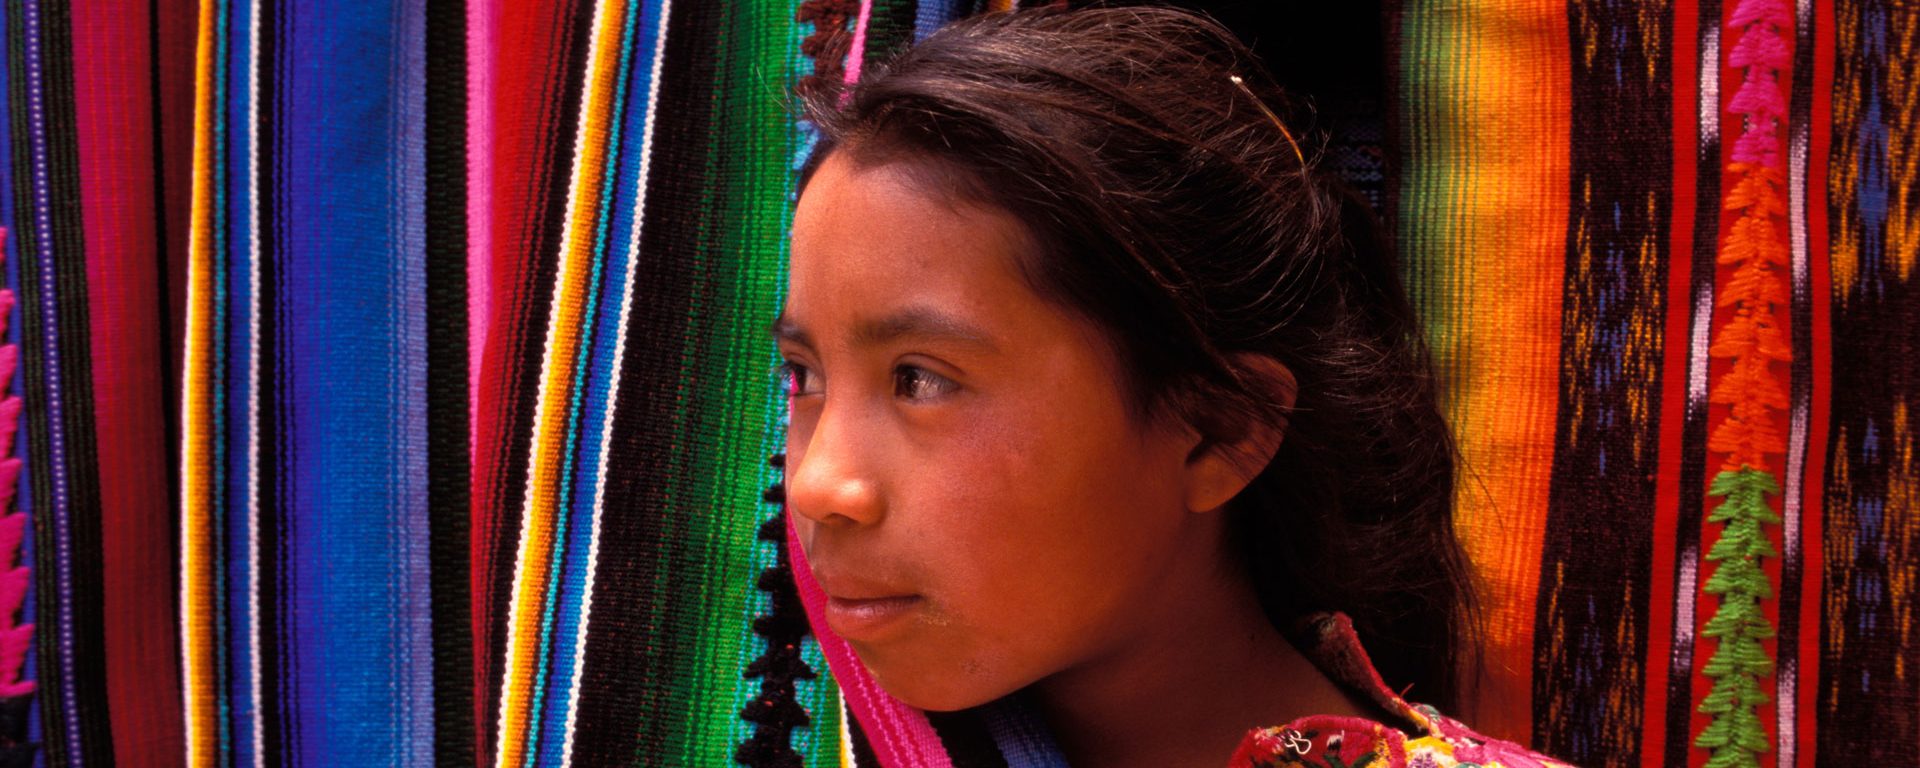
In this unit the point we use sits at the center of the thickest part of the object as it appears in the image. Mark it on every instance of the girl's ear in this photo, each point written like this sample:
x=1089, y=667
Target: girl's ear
x=1219, y=468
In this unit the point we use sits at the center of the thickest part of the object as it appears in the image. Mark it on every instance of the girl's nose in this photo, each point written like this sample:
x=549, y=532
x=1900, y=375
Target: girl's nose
x=827, y=481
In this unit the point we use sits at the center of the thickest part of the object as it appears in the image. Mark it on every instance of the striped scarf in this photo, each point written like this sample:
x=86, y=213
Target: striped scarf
x=393, y=384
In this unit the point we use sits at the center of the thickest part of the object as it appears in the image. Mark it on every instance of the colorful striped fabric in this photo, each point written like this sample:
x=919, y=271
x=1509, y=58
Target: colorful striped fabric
x=316, y=504
x=393, y=382
x=1693, y=512
x=642, y=181
x=94, y=222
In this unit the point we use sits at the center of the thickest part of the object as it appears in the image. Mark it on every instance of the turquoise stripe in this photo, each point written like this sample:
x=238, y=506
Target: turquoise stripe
x=592, y=377
x=220, y=508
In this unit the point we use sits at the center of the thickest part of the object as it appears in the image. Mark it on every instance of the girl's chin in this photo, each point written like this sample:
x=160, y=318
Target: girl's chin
x=939, y=702
x=947, y=687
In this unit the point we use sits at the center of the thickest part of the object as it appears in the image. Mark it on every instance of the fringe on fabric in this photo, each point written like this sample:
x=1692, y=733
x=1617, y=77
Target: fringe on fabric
x=16, y=695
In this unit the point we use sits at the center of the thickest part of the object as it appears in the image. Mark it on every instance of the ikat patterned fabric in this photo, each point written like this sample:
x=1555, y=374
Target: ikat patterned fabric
x=387, y=383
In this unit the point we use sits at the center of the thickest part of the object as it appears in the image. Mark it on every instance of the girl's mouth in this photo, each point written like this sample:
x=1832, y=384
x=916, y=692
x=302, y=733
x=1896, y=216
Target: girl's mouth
x=867, y=619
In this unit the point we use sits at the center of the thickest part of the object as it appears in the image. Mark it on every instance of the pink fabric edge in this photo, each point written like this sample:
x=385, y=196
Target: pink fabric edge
x=856, y=56
x=900, y=735
x=482, y=60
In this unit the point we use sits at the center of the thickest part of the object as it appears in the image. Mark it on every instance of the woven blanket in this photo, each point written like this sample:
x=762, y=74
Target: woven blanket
x=387, y=383
x=1663, y=253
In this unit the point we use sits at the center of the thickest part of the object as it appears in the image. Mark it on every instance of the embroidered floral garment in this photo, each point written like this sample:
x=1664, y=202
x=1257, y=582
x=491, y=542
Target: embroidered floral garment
x=1430, y=739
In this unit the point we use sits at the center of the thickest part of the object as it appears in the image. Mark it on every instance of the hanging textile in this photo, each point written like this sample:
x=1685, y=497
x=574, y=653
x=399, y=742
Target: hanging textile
x=1660, y=251
x=95, y=221
x=642, y=179
x=320, y=521
x=390, y=384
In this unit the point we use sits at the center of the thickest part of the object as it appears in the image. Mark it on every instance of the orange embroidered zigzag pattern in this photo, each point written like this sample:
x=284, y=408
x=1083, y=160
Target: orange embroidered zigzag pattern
x=1753, y=338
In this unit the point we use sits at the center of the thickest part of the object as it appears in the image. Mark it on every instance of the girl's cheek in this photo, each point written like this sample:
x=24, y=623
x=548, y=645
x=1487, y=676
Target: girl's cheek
x=801, y=417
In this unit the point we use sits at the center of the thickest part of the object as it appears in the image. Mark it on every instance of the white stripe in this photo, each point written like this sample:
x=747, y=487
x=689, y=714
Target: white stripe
x=1702, y=332
x=846, y=732
x=1683, y=608
x=1701, y=338
x=1787, y=706
x=1710, y=89
x=1797, y=210
x=411, y=721
x=1787, y=670
x=258, y=724
x=1787, y=682
x=541, y=405
x=613, y=383
x=1797, y=421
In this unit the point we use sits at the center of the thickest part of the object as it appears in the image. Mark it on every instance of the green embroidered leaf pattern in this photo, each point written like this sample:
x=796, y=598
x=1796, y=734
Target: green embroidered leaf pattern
x=1735, y=734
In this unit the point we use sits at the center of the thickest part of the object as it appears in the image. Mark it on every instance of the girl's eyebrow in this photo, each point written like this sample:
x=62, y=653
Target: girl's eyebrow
x=910, y=323
x=785, y=329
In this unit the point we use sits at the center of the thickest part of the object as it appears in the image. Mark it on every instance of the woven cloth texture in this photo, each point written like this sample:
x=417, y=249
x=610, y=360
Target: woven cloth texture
x=388, y=383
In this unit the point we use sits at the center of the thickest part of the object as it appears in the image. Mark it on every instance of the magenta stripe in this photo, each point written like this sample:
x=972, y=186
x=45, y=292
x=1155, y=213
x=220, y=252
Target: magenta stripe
x=483, y=59
x=900, y=735
x=856, y=56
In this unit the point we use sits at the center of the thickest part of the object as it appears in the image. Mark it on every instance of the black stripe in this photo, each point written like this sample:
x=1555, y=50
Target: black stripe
x=628, y=676
x=33, y=426
x=1394, y=148
x=965, y=737
x=862, y=749
x=275, y=614
x=1591, y=621
x=1800, y=382
x=15, y=750
x=448, y=453
x=68, y=233
x=173, y=110
x=163, y=247
x=1693, y=430
x=889, y=29
x=65, y=233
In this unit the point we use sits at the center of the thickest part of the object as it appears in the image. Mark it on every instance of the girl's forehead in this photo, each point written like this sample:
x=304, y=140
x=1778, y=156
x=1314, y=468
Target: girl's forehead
x=870, y=243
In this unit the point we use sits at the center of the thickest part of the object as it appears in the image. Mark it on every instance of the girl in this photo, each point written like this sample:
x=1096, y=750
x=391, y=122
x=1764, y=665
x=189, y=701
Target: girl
x=1103, y=402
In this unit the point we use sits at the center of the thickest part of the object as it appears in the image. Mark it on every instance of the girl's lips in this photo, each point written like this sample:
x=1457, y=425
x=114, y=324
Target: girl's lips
x=867, y=619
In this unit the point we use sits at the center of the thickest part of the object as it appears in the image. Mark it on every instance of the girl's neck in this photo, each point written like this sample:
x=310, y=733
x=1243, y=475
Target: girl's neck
x=1186, y=687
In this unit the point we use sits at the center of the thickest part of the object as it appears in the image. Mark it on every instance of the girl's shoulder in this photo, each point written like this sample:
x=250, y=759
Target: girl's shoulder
x=1422, y=737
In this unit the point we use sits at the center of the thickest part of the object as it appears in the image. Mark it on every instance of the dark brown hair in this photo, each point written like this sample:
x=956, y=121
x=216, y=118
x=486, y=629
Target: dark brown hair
x=1145, y=152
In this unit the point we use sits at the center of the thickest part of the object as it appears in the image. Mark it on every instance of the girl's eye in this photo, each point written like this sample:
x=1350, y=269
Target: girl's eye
x=916, y=383
x=797, y=380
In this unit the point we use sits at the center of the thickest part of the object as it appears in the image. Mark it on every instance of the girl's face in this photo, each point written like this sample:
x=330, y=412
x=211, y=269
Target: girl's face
x=966, y=480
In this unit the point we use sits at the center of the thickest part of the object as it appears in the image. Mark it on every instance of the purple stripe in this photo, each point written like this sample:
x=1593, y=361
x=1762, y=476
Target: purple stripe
x=50, y=342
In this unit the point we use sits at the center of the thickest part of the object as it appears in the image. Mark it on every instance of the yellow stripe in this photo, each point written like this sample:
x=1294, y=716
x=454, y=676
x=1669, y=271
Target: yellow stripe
x=556, y=371
x=846, y=733
x=196, y=590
